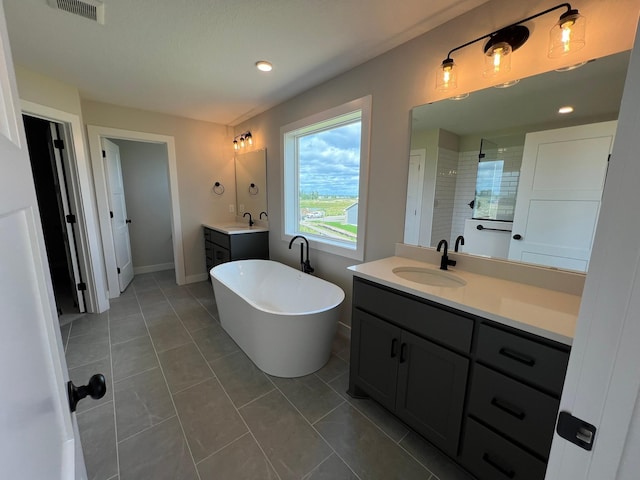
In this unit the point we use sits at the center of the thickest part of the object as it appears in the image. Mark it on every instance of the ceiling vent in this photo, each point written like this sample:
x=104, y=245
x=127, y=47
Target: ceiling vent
x=91, y=9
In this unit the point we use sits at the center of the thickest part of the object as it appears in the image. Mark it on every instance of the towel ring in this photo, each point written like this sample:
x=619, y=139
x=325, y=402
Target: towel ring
x=218, y=188
x=253, y=189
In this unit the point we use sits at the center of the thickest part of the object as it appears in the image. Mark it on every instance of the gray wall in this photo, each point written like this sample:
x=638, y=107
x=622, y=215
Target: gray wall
x=403, y=78
x=146, y=186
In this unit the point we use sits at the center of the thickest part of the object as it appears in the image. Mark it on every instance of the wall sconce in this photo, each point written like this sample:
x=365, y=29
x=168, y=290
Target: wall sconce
x=240, y=141
x=566, y=36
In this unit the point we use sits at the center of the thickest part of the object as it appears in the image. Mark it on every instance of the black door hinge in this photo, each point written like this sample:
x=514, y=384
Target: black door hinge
x=118, y=270
x=82, y=286
x=576, y=431
x=111, y=214
x=71, y=218
x=104, y=154
x=59, y=144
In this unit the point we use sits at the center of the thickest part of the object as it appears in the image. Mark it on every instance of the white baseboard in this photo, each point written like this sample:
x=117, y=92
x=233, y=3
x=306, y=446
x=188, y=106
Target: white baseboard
x=153, y=268
x=344, y=330
x=200, y=277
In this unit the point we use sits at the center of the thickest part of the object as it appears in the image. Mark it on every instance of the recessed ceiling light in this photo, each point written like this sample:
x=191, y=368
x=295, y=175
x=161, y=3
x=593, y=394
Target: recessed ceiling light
x=264, y=66
x=566, y=109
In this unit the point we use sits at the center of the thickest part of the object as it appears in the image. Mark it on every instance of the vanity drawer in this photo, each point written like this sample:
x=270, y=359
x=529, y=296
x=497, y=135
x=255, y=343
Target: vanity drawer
x=528, y=360
x=443, y=326
x=491, y=457
x=520, y=412
x=218, y=238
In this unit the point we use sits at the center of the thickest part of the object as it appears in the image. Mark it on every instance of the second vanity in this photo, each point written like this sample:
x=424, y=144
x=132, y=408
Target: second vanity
x=234, y=241
x=476, y=367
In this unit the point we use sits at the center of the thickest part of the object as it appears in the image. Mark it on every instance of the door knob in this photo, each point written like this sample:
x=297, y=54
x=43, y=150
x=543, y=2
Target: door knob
x=96, y=388
x=517, y=236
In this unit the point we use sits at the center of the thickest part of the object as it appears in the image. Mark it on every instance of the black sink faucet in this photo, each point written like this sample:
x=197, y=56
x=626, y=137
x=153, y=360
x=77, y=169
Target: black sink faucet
x=444, y=261
x=265, y=214
x=459, y=241
x=250, y=219
x=305, y=265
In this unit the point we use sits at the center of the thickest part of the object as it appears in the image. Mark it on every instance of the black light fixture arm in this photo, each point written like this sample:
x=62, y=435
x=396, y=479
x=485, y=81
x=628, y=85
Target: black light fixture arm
x=489, y=35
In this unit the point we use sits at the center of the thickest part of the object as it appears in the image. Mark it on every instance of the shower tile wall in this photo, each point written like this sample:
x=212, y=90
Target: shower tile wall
x=444, y=195
x=467, y=171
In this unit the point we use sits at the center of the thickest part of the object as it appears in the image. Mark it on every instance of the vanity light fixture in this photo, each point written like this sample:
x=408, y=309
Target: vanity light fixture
x=242, y=140
x=566, y=36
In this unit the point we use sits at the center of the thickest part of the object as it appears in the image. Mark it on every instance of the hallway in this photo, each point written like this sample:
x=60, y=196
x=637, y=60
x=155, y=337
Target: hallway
x=183, y=402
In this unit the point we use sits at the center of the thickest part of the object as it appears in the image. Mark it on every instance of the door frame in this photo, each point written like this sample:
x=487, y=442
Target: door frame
x=95, y=134
x=80, y=189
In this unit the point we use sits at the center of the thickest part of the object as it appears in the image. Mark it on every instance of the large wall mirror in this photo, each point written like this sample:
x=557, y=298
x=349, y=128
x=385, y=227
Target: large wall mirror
x=515, y=177
x=251, y=183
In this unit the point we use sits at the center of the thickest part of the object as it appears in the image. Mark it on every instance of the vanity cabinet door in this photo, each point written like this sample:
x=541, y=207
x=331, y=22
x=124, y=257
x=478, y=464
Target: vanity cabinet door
x=431, y=390
x=374, y=357
x=220, y=255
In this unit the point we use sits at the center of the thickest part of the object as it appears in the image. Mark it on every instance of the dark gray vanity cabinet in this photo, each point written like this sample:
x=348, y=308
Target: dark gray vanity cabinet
x=484, y=393
x=221, y=247
x=396, y=361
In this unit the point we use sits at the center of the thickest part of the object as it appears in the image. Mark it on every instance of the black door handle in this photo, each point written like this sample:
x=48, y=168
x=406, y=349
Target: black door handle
x=128, y=220
x=96, y=388
x=517, y=236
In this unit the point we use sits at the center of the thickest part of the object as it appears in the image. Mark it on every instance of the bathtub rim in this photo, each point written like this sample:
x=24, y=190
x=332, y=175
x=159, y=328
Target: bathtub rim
x=213, y=275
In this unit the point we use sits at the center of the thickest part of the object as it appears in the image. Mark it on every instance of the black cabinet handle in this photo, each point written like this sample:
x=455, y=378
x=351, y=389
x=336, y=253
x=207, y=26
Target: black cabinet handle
x=508, y=408
x=517, y=356
x=403, y=353
x=502, y=469
x=394, y=342
x=517, y=236
x=96, y=388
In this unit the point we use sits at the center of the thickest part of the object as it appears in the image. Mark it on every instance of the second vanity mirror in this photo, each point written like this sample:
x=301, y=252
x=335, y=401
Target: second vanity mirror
x=505, y=169
x=251, y=183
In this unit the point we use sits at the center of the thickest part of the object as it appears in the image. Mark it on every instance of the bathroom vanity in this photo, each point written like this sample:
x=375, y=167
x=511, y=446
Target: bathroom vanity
x=225, y=243
x=477, y=369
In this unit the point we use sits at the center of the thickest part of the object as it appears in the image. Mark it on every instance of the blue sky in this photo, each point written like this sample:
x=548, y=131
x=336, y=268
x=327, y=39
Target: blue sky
x=330, y=161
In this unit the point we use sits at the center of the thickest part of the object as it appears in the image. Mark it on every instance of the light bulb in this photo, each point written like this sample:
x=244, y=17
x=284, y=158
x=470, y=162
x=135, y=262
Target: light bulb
x=498, y=59
x=235, y=145
x=241, y=142
x=249, y=139
x=446, y=78
x=568, y=35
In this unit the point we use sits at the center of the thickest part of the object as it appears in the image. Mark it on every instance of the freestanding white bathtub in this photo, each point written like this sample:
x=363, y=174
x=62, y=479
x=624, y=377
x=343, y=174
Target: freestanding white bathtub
x=283, y=319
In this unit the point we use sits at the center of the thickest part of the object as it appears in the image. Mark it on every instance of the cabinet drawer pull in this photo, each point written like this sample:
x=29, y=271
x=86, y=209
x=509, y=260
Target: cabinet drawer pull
x=403, y=353
x=394, y=342
x=504, y=470
x=517, y=356
x=508, y=408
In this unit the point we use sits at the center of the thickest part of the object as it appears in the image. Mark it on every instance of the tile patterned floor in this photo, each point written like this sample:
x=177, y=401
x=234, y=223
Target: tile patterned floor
x=183, y=402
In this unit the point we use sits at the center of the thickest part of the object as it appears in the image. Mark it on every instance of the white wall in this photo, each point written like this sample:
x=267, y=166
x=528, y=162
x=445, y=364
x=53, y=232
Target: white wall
x=146, y=188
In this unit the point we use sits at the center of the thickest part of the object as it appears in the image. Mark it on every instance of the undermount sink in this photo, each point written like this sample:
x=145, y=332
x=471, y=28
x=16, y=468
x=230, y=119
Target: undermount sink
x=429, y=276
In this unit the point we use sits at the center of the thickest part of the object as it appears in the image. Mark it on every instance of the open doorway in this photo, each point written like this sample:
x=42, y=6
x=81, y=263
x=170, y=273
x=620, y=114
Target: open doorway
x=50, y=174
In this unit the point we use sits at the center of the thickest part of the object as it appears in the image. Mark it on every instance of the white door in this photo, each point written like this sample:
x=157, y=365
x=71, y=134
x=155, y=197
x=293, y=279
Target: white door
x=70, y=237
x=413, y=211
x=36, y=430
x=559, y=193
x=118, y=208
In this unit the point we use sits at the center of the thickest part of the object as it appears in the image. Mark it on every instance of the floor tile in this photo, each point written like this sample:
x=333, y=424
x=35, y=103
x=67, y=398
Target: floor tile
x=98, y=438
x=332, y=469
x=144, y=282
x=214, y=342
x=242, y=380
x=142, y=401
x=290, y=443
x=150, y=297
x=241, y=460
x=86, y=349
x=433, y=459
x=90, y=324
x=310, y=395
x=124, y=329
x=159, y=453
x=183, y=367
x=197, y=318
x=208, y=417
x=155, y=310
x=81, y=375
x=369, y=452
x=175, y=292
x=333, y=369
x=133, y=357
x=168, y=333
x=123, y=307
x=65, y=330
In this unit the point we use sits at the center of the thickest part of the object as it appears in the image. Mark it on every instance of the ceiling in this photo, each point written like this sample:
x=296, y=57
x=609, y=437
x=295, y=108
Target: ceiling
x=196, y=58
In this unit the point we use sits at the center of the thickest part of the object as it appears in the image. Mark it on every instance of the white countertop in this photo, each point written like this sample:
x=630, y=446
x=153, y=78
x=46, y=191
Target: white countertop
x=547, y=313
x=236, y=228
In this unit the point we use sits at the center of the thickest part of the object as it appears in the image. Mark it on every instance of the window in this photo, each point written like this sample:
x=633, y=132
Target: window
x=326, y=160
